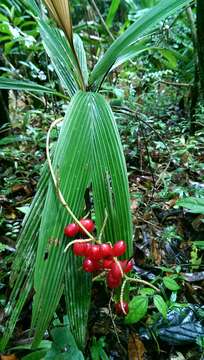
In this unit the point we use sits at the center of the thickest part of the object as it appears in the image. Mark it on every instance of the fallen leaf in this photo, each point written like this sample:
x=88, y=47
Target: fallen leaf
x=155, y=251
x=136, y=348
x=9, y=357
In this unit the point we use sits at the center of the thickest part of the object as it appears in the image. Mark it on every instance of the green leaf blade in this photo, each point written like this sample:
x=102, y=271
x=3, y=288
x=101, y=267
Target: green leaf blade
x=143, y=25
x=193, y=204
x=137, y=309
x=170, y=283
x=160, y=305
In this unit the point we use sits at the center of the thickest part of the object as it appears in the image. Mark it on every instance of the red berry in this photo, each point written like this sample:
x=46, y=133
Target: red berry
x=126, y=265
x=115, y=271
x=71, y=230
x=87, y=249
x=97, y=265
x=113, y=282
x=106, y=250
x=79, y=248
x=95, y=252
x=119, y=308
x=107, y=263
x=88, y=224
x=88, y=265
x=119, y=248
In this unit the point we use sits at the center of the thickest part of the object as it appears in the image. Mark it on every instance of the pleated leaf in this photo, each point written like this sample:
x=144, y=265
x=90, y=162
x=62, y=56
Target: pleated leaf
x=88, y=152
x=33, y=6
x=140, y=47
x=142, y=26
x=59, y=48
x=81, y=55
x=23, y=266
x=61, y=56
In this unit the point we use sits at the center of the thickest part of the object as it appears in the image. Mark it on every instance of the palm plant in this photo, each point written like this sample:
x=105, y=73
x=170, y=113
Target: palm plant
x=88, y=156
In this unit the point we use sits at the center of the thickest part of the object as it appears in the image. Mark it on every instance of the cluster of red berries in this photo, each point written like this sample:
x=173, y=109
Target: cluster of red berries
x=100, y=257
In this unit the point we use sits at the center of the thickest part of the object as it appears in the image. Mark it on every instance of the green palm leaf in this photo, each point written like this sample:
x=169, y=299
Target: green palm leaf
x=62, y=57
x=81, y=55
x=88, y=152
x=59, y=49
x=23, y=266
x=142, y=26
x=27, y=86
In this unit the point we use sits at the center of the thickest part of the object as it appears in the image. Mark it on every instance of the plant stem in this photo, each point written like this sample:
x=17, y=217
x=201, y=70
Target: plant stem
x=58, y=191
x=140, y=281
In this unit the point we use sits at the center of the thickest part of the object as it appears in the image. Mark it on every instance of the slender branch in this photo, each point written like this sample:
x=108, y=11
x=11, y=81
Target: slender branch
x=174, y=83
x=140, y=281
x=101, y=18
x=121, y=296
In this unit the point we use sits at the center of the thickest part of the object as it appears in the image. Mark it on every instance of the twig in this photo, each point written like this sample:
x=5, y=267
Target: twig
x=99, y=276
x=111, y=316
x=121, y=296
x=101, y=18
x=140, y=281
x=174, y=83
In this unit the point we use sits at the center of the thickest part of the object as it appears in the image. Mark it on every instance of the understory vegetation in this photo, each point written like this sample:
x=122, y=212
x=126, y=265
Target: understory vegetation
x=102, y=126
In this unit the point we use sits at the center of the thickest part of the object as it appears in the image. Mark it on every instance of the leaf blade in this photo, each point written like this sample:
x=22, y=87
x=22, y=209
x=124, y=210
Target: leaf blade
x=136, y=30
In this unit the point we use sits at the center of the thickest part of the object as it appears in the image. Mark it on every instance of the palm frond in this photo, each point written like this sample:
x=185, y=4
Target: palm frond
x=88, y=152
x=142, y=26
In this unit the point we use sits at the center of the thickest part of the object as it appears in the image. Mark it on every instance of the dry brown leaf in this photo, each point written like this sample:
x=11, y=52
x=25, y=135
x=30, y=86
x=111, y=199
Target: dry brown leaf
x=61, y=13
x=155, y=251
x=9, y=357
x=136, y=348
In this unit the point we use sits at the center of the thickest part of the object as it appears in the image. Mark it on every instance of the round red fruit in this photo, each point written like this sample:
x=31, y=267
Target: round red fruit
x=112, y=282
x=87, y=249
x=107, y=263
x=88, y=224
x=121, y=310
x=79, y=249
x=106, y=250
x=71, y=230
x=95, y=252
x=88, y=265
x=126, y=265
x=119, y=248
x=116, y=271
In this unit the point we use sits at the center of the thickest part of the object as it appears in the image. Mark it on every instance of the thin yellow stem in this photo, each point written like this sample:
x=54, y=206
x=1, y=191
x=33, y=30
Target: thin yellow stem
x=99, y=276
x=103, y=226
x=121, y=296
x=141, y=282
x=75, y=242
x=120, y=267
x=59, y=193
